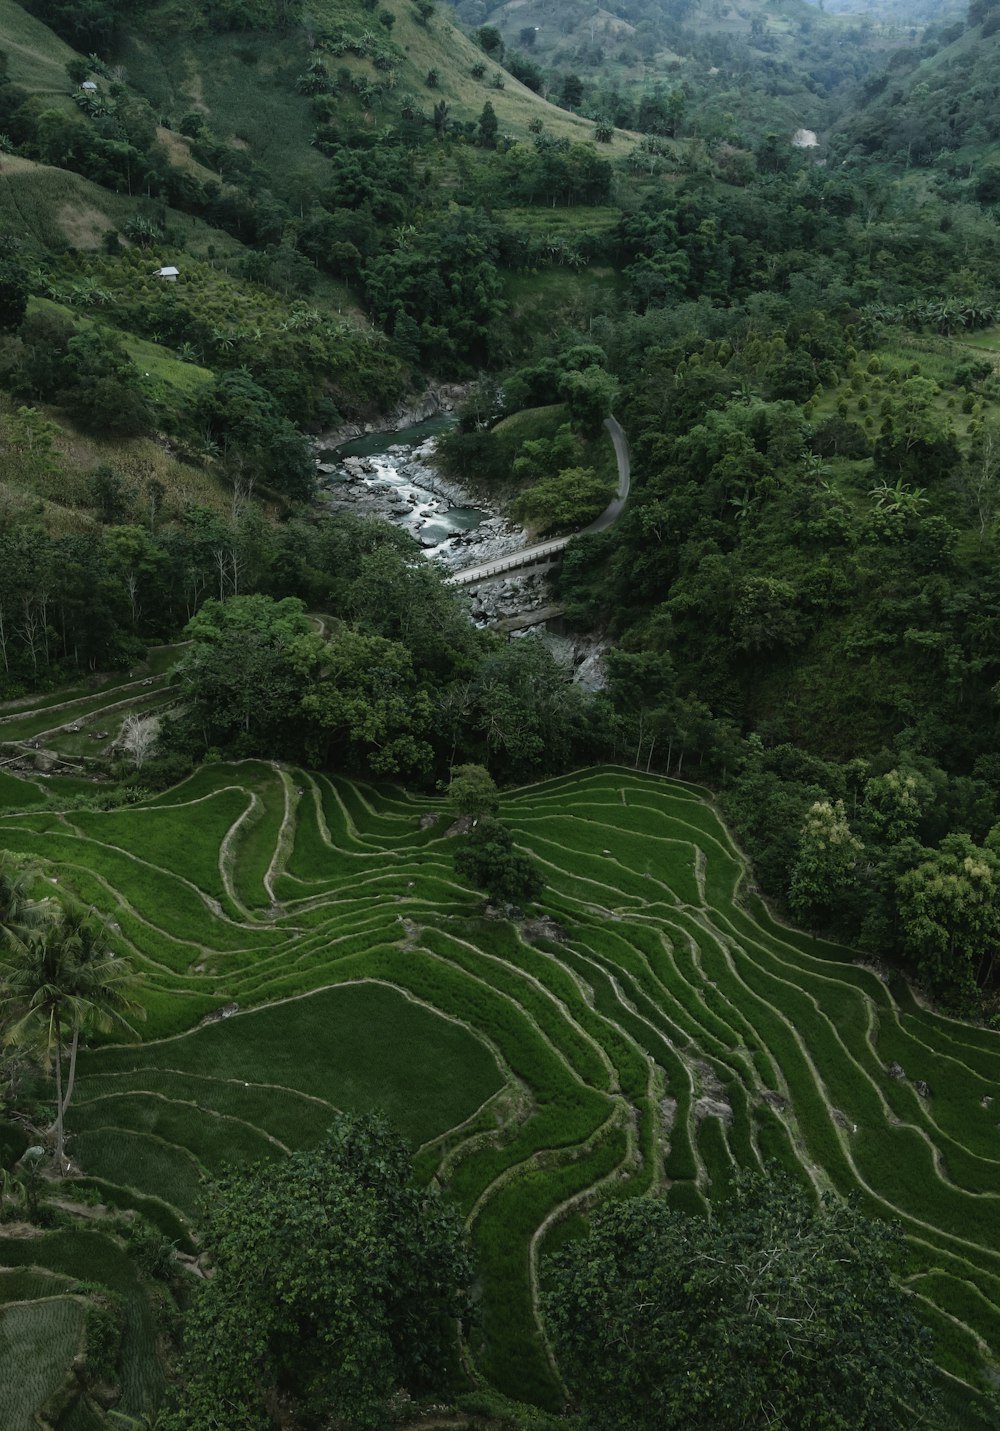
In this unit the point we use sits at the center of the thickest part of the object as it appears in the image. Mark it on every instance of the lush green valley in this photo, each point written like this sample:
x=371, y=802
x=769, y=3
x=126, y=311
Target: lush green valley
x=248, y=739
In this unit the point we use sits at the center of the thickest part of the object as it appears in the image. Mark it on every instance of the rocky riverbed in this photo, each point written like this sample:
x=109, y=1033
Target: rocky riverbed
x=400, y=484
x=434, y=402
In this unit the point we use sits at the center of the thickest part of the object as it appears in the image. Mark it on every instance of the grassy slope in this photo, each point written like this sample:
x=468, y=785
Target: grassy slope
x=187, y=379
x=262, y=885
x=246, y=89
x=36, y=58
x=52, y=208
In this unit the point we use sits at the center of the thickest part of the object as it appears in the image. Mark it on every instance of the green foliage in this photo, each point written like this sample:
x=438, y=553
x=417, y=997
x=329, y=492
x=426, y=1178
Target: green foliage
x=489, y=860
x=241, y=680
x=490, y=40
x=87, y=371
x=566, y=501
x=950, y=914
x=804, y=1300
x=330, y=1248
x=13, y=292
x=826, y=863
x=365, y=704
x=488, y=126
x=445, y=279
x=103, y=1335
x=472, y=791
x=241, y=414
x=59, y=979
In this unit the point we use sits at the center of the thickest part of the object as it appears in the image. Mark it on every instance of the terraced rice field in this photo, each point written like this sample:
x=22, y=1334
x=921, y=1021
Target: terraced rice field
x=658, y=1031
x=80, y=725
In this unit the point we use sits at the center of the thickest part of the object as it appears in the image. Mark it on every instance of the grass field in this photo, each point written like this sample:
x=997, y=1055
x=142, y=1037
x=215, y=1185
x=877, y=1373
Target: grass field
x=36, y=58
x=38, y=1341
x=661, y=1031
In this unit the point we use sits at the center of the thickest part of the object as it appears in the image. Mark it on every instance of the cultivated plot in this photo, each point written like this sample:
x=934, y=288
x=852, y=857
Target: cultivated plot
x=653, y=1032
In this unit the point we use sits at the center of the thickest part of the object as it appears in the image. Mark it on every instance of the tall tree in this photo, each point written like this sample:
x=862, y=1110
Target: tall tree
x=13, y=291
x=56, y=986
x=489, y=125
x=827, y=857
x=336, y=1282
x=239, y=679
x=489, y=860
x=949, y=911
x=472, y=791
x=775, y=1312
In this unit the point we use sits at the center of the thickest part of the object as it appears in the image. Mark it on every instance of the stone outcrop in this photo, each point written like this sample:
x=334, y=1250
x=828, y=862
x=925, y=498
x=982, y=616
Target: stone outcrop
x=433, y=402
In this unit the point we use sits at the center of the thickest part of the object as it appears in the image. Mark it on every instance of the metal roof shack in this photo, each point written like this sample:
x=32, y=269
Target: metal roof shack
x=171, y=274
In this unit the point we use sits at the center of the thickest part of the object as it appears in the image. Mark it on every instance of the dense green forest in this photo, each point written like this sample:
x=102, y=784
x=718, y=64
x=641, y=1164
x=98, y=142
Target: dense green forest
x=766, y=238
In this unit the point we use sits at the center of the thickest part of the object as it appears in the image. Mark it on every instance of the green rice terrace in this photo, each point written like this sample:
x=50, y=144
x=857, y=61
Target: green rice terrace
x=653, y=1028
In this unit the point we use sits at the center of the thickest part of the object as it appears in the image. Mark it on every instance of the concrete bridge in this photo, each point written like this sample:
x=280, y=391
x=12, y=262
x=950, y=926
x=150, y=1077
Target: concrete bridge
x=545, y=553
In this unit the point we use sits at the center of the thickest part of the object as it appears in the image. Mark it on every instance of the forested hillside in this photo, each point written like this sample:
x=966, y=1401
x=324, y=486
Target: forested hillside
x=935, y=107
x=766, y=239
x=718, y=71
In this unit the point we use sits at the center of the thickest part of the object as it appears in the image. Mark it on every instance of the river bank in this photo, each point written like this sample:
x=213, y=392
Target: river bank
x=397, y=482
x=436, y=401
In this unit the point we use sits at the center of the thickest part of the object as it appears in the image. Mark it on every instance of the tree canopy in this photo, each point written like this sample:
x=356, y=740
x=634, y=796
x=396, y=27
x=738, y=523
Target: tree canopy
x=776, y=1311
x=489, y=860
x=335, y=1283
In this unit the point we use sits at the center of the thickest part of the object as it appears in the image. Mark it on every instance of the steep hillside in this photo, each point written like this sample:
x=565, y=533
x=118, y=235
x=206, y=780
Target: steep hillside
x=36, y=58
x=936, y=104
x=247, y=87
x=691, y=68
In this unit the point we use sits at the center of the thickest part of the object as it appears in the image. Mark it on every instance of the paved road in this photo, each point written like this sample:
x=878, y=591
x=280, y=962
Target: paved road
x=545, y=552
x=615, y=508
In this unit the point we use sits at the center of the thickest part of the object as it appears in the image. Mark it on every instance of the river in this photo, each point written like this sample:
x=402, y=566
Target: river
x=392, y=475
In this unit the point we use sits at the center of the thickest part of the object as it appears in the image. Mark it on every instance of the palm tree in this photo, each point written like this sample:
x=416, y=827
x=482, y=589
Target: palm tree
x=59, y=984
x=21, y=917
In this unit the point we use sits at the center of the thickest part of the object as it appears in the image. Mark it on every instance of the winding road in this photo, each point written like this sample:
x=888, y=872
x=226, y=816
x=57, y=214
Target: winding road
x=543, y=552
